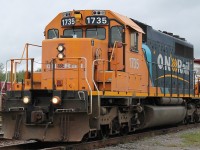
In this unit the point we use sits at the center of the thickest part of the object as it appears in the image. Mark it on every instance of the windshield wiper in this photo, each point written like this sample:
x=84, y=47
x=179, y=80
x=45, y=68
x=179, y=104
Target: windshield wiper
x=54, y=31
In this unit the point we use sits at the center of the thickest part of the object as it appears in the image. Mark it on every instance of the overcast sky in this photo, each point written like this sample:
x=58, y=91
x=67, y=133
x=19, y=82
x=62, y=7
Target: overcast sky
x=23, y=21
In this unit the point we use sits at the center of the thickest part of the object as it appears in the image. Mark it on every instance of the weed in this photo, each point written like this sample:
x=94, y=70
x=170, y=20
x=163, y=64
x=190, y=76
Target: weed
x=191, y=139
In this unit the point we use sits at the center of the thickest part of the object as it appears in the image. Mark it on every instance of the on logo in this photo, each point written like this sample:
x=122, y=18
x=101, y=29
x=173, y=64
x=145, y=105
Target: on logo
x=169, y=63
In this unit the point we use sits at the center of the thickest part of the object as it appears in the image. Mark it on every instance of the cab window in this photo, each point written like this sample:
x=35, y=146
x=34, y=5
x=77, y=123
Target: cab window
x=134, y=41
x=53, y=33
x=116, y=34
x=76, y=33
x=98, y=33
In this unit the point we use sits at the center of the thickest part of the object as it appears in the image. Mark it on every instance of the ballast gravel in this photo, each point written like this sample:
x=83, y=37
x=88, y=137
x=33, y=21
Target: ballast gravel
x=171, y=141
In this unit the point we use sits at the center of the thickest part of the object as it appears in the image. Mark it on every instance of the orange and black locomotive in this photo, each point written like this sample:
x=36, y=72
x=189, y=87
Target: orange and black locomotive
x=101, y=74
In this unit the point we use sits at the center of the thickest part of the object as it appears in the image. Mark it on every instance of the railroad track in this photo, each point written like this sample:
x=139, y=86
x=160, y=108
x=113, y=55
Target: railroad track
x=100, y=143
x=8, y=144
x=128, y=138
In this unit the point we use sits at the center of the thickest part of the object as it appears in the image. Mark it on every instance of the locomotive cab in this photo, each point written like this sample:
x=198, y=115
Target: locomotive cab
x=107, y=43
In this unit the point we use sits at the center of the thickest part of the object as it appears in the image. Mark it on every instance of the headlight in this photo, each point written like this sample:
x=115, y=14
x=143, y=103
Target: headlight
x=60, y=48
x=56, y=100
x=60, y=56
x=26, y=100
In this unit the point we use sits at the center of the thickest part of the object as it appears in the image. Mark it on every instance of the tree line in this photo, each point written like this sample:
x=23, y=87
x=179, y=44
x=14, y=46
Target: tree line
x=2, y=74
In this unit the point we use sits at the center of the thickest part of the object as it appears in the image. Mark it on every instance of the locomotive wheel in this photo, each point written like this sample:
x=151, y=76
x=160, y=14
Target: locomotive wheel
x=85, y=138
x=186, y=121
x=104, y=133
x=124, y=130
x=196, y=118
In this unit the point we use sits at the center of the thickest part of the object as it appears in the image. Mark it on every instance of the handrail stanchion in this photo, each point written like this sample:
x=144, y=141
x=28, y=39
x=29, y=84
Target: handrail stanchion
x=164, y=79
x=194, y=73
x=11, y=74
x=171, y=82
x=198, y=86
x=183, y=83
x=156, y=80
x=53, y=74
x=189, y=83
x=32, y=67
x=148, y=80
x=178, y=92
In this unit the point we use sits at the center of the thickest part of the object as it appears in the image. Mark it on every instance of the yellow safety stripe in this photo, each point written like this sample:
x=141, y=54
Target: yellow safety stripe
x=130, y=94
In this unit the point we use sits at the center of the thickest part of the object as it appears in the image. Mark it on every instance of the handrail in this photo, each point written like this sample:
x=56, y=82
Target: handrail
x=95, y=85
x=88, y=85
x=93, y=66
x=113, y=49
x=27, y=50
x=1, y=93
x=185, y=71
x=86, y=79
x=27, y=57
x=15, y=68
x=5, y=78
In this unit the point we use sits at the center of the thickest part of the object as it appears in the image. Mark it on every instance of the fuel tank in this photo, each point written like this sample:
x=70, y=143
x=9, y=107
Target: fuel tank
x=162, y=115
x=169, y=101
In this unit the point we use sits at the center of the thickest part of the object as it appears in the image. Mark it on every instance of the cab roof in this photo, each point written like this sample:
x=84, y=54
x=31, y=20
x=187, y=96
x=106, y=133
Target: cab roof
x=127, y=21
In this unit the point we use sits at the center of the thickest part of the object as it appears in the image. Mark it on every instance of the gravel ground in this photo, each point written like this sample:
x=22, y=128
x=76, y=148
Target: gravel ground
x=8, y=142
x=5, y=142
x=172, y=141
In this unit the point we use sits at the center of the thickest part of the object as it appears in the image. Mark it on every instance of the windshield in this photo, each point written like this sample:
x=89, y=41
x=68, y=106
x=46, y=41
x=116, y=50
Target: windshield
x=98, y=33
x=53, y=33
x=77, y=33
x=116, y=34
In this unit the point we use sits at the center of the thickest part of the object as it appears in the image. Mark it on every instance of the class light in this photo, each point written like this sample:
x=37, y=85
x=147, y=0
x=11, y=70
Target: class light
x=99, y=12
x=60, y=48
x=56, y=100
x=26, y=99
x=60, y=56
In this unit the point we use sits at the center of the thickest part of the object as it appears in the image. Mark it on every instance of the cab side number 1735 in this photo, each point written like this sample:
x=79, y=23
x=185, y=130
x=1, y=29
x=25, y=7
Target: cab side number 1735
x=96, y=20
x=68, y=21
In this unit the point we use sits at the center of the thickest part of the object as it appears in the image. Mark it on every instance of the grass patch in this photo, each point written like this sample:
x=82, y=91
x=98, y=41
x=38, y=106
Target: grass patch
x=173, y=145
x=191, y=139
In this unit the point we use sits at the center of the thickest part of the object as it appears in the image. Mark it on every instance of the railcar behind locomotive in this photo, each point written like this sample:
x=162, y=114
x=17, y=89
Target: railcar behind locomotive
x=102, y=74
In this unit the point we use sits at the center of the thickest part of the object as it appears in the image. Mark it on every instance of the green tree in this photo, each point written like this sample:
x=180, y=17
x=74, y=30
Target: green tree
x=2, y=74
x=20, y=76
x=38, y=70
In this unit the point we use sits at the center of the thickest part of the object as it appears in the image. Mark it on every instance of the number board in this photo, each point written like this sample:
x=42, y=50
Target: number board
x=68, y=21
x=96, y=20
